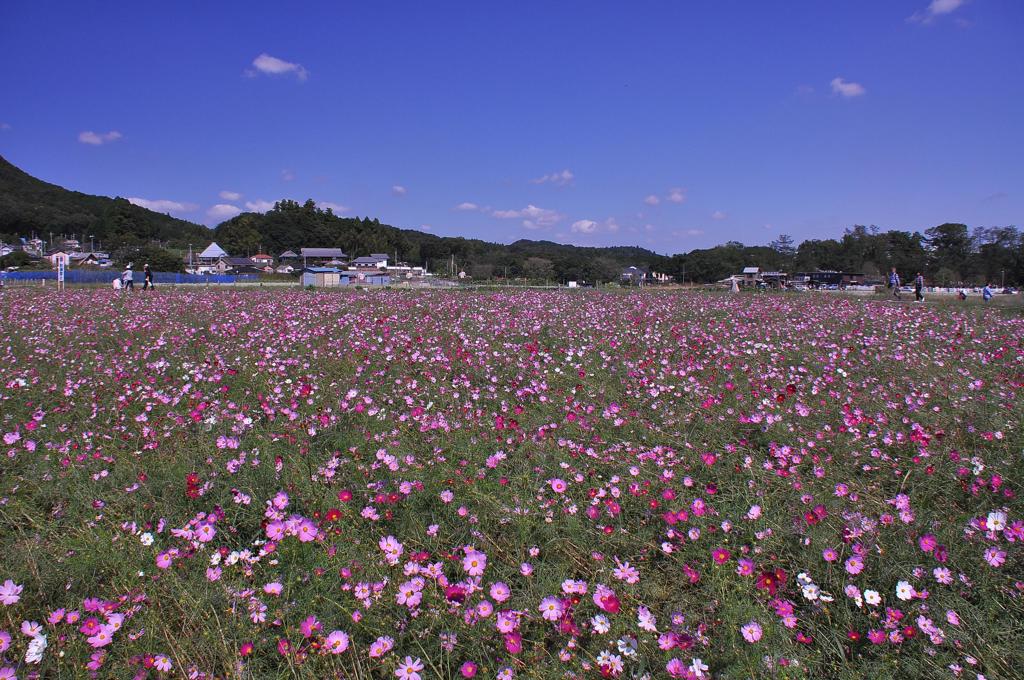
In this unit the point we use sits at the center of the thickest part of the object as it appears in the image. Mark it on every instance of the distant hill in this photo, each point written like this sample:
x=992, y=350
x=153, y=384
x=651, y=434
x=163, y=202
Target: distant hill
x=31, y=205
x=291, y=225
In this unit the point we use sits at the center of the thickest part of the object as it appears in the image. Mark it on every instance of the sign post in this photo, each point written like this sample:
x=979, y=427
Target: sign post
x=60, y=274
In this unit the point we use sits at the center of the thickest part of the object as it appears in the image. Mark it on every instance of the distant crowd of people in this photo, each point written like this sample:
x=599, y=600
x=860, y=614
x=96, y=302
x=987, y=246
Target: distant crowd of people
x=895, y=283
x=127, y=278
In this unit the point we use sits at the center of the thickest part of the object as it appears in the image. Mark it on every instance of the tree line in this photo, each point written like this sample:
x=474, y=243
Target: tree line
x=946, y=254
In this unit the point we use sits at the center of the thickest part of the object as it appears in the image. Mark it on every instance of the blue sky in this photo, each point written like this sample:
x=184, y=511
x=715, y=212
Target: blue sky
x=670, y=125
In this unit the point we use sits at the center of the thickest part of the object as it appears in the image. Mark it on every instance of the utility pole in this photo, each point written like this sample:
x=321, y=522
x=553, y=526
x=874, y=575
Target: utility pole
x=1002, y=273
x=190, y=258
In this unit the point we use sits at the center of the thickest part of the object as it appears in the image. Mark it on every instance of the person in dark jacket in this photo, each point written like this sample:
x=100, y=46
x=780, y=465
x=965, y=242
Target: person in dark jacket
x=147, y=277
x=919, y=288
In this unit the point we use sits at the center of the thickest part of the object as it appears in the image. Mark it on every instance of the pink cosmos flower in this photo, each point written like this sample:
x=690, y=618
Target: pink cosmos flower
x=720, y=555
x=474, y=563
x=309, y=626
x=163, y=560
x=514, y=642
x=994, y=556
x=5, y=641
x=103, y=637
x=336, y=642
x=854, y=565
x=500, y=592
x=551, y=608
x=381, y=646
x=162, y=663
x=10, y=592
x=275, y=531
x=409, y=669
x=307, y=531
x=31, y=628
x=751, y=631
x=468, y=669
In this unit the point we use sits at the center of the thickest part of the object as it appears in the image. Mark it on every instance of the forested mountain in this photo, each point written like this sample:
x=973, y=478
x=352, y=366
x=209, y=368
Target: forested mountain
x=30, y=205
x=291, y=225
x=947, y=253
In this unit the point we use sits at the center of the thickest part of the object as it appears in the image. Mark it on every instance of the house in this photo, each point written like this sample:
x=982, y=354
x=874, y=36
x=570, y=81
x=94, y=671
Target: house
x=263, y=259
x=287, y=255
x=382, y=258
x=321, y=254
x=284, y=269
x=635, y=276
x=332, y=277
x=85, y=259
x=774, y=279
x=751, y=275
x=33, y=246
x=323, y=277
x=235, y=264
x=371, y=262
x=70, y=244
x=57, y=256
x=211, y=254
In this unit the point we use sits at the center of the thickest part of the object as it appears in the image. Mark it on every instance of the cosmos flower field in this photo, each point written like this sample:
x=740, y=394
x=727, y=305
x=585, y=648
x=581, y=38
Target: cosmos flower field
x=531, y=484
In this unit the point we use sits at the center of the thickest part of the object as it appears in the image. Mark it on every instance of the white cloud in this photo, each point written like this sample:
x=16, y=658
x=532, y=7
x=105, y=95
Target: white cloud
x=466, y=206
x=336, y=208
x=276, y=67
x=259, y=205
x=694, y=232
x=611, y=225
x=559, y=179
x=676, y=196
x=287, y=175
x=718, y=215
x=98, y=138
x=846, y=89
x=584, y=226
x=398, y=190
x=535, y=217
x=162, y=205
x=230, y=195
x=426, y=227
x=5, y=126
x=223, y=211
x=935, y=9
x=652, y=200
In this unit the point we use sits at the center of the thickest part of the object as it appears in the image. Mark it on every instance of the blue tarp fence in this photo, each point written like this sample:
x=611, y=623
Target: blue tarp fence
x=107, y=277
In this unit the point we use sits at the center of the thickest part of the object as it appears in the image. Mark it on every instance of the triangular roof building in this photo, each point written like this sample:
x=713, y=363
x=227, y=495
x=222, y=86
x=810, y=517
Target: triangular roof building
x=212, y=252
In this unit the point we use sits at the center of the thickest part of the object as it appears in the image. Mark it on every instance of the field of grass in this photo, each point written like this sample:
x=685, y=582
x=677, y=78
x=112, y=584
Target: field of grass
x=530, y=484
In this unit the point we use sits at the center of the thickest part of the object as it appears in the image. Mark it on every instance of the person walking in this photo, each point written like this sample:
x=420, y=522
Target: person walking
x=986, y=293
x=894, y=283
x=127, y=276
x=147, y=277
x=919, y=288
